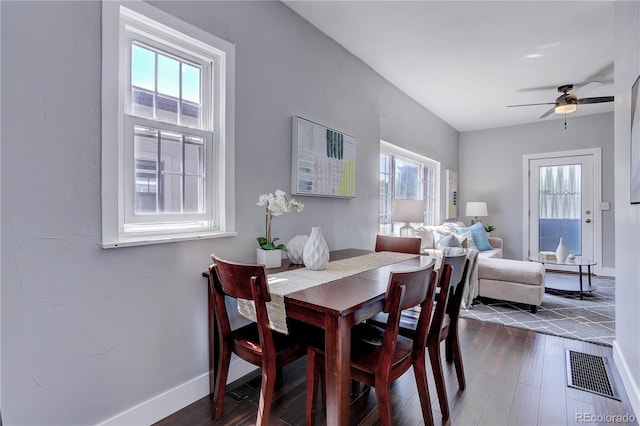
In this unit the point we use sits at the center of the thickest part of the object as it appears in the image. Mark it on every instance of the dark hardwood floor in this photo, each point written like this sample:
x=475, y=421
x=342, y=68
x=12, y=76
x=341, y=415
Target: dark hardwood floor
x=514, y=377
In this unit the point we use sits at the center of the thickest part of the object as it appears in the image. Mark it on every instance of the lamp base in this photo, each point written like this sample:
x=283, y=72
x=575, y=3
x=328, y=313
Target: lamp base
x=407, y=230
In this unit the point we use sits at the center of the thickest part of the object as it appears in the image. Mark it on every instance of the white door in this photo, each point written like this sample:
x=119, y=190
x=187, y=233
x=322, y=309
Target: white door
x=561, y=204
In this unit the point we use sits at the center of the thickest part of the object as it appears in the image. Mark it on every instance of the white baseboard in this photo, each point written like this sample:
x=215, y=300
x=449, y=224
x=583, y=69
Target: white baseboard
x=630, y=384
x=161, y=406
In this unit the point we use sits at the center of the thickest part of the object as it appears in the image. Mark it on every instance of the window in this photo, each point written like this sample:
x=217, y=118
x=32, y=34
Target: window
x=167, y=138
x=409, y=176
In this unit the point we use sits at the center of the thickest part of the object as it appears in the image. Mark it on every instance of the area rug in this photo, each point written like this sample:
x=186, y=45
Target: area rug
x=561, y=314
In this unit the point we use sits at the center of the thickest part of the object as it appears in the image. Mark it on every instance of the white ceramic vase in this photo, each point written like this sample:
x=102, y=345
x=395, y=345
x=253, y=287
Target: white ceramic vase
x=295, y=248
x=316, y=251
x=269, y=258
x=561, y=252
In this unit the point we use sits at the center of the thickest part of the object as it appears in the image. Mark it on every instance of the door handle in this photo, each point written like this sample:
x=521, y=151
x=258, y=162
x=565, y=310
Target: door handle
x=588, y=220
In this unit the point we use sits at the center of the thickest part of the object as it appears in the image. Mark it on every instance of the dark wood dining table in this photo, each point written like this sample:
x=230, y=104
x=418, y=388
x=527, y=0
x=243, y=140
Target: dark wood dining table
x=336, y=307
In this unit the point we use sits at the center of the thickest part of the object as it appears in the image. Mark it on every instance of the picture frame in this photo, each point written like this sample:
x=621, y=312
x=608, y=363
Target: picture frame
x=323, y=160
x=635, y=144
x=451, y=180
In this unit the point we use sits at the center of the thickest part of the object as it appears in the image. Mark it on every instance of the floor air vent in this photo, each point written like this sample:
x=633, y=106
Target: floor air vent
x=590, y=373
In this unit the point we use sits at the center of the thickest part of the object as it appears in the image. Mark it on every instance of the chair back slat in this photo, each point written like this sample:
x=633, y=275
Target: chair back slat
x=450, y=279
x=235, y=278
x=409, y=245
x=406, y=290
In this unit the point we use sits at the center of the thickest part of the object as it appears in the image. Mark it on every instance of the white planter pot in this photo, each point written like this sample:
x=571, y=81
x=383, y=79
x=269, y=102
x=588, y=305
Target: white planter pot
x=269, y=258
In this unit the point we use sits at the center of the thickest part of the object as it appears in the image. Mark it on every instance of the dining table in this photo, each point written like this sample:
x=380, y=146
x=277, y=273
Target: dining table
x=336, y=307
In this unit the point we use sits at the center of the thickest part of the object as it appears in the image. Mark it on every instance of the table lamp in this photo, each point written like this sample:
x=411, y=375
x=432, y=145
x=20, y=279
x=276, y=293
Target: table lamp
x=407, y=211
x=476, y=209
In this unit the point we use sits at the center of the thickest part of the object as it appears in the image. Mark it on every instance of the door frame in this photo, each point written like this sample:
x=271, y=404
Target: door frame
x=597, y=197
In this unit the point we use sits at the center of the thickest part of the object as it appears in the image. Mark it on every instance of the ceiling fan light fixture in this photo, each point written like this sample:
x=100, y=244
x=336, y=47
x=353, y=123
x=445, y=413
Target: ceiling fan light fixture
x=565, y=108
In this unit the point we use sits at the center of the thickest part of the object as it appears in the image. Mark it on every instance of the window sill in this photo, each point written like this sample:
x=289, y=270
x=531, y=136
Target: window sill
x=147, y=240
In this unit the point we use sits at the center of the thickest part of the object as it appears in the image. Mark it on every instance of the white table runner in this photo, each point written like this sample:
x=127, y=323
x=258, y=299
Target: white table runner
x=287, y=282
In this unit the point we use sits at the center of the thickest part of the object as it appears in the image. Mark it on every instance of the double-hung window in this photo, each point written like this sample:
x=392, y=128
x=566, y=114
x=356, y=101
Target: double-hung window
x=408, y=176
x=167, y=128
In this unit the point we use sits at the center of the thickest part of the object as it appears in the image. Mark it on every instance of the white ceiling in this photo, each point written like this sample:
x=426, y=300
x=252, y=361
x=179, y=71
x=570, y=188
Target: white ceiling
x=467, y=60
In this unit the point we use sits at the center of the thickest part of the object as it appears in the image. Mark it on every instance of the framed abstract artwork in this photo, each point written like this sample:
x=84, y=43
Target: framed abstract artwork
x=635, y=144
x=323, y=160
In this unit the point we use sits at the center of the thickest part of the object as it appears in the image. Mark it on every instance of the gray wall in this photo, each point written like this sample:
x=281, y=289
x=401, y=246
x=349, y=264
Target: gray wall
x=627, y=345
x=491, y=170
x=88, y=333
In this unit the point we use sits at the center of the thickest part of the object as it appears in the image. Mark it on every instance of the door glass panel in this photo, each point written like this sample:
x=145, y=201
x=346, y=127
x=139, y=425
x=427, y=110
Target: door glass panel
x=561, y=207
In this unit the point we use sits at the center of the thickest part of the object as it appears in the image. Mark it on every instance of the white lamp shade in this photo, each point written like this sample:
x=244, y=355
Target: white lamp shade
x=477, y=209
x=410, y=211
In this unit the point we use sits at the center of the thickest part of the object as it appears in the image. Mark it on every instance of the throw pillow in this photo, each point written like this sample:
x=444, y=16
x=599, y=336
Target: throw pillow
x=426, y=236
x=448, y=241
x=479, y=236
x=466, y=240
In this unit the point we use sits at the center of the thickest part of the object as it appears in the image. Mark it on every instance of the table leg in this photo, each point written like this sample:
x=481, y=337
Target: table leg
x=337, y=366
x=580, y=275
x=589, y=270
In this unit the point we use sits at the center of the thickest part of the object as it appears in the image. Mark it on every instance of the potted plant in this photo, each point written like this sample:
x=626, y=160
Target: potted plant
x=276, y=204
x=488, y=229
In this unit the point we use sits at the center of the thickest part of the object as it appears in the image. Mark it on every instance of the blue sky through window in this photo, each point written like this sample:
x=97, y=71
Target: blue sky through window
x=143, y=74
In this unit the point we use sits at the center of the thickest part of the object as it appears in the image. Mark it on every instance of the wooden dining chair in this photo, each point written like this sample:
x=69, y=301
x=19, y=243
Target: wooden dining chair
x=444, y=325
x=409, y=245
x=256, y=342
x=378, y=363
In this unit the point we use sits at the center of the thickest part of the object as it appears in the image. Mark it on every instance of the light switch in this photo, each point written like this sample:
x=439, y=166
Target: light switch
x=605, y=205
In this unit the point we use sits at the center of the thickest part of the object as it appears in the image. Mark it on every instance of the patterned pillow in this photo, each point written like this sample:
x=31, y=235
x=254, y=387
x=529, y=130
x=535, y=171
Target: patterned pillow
x=466, y=240
x=448, y=241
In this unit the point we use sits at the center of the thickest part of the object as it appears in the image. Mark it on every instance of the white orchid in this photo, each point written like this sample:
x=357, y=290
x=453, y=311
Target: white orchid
x=276, y=205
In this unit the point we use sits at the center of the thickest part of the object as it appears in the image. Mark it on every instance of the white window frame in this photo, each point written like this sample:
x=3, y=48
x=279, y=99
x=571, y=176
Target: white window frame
x=119, y=227
x=398, y=152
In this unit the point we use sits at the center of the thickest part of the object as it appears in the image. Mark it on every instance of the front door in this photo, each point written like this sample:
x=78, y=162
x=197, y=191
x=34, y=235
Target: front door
x=561, y=204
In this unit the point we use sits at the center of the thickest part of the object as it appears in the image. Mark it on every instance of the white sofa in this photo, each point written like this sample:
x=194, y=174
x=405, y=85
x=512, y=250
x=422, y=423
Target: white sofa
x=490, y=275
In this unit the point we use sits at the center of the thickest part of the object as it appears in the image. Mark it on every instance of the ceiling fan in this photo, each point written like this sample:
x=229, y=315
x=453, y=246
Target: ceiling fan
x=568, y=101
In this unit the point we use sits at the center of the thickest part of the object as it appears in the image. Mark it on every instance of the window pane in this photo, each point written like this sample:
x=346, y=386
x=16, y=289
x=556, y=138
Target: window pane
x=190, y=115
x=191, y=83
x=560, y=207
x=193, y=194
x=171, y=153
x=143, y=68
x=193, y=159
x=146, y=180
x=407, y=183
x=171, y=193
x=168, y=76
x=167, y=109
x=142, y=103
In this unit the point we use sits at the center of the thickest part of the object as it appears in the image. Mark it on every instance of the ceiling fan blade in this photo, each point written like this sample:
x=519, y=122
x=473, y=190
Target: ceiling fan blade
x=595, y=100
x=588, y=87
x=544, y=103
x=548, y=112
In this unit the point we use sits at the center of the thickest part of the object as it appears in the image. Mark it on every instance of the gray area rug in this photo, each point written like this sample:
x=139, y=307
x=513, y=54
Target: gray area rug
x=561, y=314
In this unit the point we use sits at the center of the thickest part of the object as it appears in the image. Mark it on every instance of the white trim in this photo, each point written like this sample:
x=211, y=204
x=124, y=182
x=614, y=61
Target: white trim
x=630, y=385
x=597, y=198
x=167, y=403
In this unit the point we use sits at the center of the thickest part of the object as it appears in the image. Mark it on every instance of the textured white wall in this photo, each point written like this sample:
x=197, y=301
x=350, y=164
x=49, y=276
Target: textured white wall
x=627, y=69
x=89, y=333
x=491, y=170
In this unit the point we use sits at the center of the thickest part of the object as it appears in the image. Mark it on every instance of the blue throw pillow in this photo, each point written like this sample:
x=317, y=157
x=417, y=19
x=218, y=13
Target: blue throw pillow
x=479, y=235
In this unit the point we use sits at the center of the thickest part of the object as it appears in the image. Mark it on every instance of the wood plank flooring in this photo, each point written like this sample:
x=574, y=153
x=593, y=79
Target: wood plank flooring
x=514, y=377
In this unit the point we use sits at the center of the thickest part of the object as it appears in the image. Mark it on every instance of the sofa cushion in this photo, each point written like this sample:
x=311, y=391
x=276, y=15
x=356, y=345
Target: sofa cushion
x=516, y=271
x=479, y=235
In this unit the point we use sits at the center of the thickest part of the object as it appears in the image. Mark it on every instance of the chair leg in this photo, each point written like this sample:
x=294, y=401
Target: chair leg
x=384, y=405
x=269, y=377
x=221, y=382
x=313, y=377
x=438, y=376
x=457, y=359
x=420, y=372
